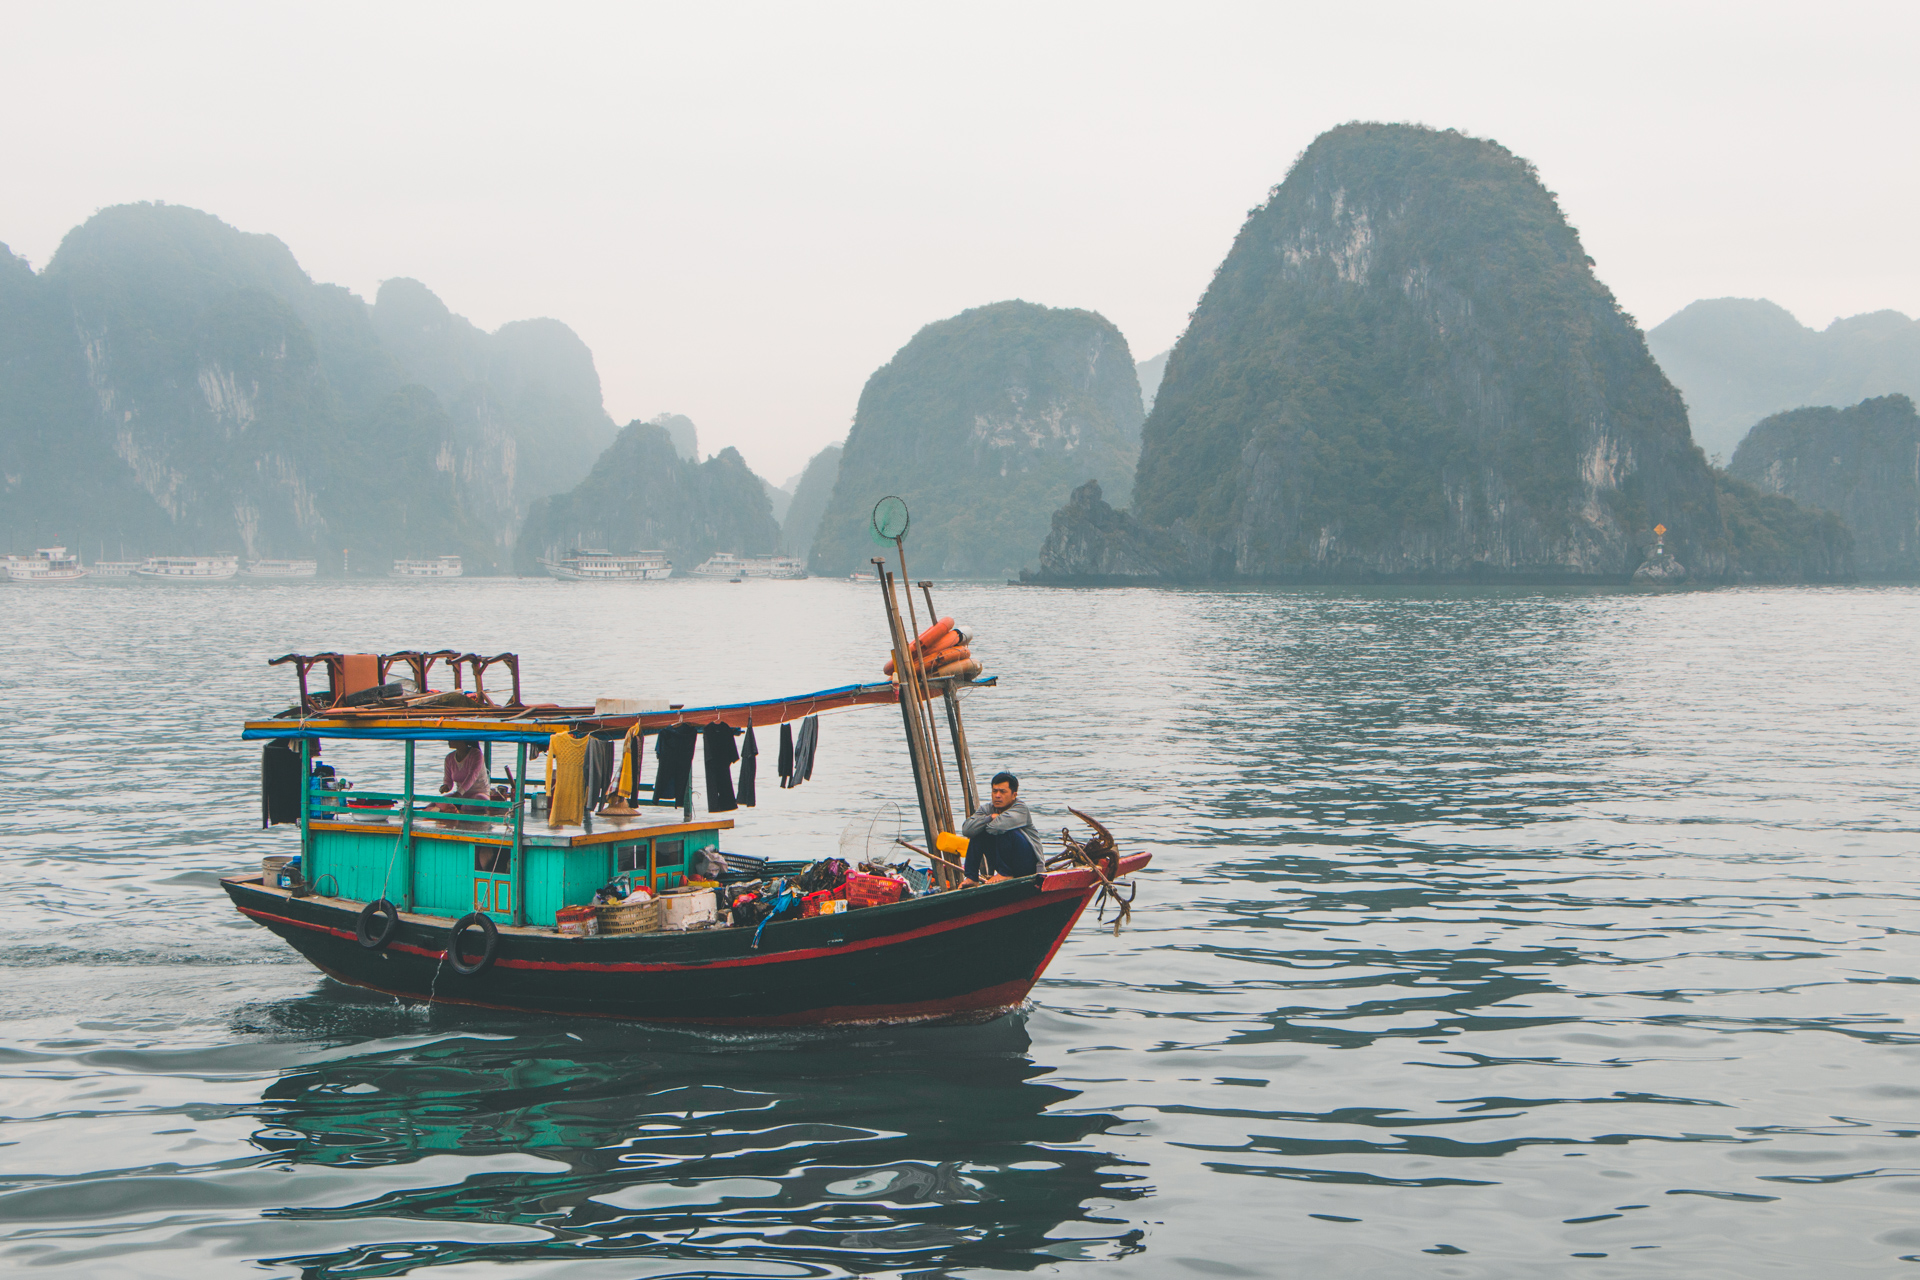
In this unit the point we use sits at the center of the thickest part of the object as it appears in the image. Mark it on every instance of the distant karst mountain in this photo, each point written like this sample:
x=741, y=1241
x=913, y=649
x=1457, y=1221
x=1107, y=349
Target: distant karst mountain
x=1737, y=360
x=1862, y=463
x=171, y=384
x=810, y=497
x=643, y=496
x=984, y=423
x=686, y=437
x=531, y=383
x=1406, y=370
x=1151, y=371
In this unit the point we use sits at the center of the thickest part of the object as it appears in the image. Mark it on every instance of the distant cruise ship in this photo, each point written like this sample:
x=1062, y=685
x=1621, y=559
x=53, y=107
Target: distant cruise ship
x=586, y=565
x=189, y=568
x=46, y=566
x=283, y=568
x=728, y=565
x=438, y=567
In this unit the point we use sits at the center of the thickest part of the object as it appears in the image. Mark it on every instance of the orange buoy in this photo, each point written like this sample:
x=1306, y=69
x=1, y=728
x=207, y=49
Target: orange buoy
x=933, y=633
x=948, y=657
x=936, y=640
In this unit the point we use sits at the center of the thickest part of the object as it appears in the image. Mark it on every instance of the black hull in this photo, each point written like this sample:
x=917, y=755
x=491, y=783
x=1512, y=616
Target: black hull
x=963, y=955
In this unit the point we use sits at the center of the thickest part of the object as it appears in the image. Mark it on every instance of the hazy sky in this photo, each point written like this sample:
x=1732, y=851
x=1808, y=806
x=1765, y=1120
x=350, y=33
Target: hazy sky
x=745, y=210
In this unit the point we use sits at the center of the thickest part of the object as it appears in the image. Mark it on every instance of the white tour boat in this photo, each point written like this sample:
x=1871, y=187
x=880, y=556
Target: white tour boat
x=46, y=565
x=189, y=568
x=283, y=569
x=586, y=565
x=731, y=567
x=438, y=567
x=114, y=568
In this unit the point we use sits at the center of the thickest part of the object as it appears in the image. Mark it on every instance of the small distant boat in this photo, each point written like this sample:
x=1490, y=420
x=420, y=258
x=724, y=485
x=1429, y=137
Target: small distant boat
x=585, y=565
x=45, y=566
x=283, y=568
x=189, y=568
x=857, y=576
x=727, y=565
x=438, y=567
x=114, y=568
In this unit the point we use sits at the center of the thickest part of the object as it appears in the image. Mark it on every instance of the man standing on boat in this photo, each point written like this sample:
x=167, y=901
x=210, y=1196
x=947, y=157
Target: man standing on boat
x=1000, y=837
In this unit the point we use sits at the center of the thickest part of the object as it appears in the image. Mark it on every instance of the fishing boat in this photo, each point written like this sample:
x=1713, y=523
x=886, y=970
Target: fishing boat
x=584, y=565
x=283, y=568
x=47, y=566
x=396, y=894
x=189, y=568
x=438, y=567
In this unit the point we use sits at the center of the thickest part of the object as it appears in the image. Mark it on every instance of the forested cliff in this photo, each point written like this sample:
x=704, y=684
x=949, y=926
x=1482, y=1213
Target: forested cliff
x=642, y=495
x=169, y=384
x=1406, y=369
x=984, y=423
x=1861, y=463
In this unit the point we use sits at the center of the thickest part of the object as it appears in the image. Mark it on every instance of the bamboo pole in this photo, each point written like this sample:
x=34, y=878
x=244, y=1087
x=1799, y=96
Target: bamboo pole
x=917, y=681
x=910, y=707
x=963, y=758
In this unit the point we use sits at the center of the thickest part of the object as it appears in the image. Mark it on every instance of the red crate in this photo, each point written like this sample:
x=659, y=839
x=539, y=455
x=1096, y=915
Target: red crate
x=864, y=890
x=810, y=905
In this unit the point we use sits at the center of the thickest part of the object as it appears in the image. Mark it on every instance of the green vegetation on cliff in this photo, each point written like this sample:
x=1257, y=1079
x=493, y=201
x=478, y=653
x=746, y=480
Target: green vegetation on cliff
x=169, y=384
x=641, y=495
x=1861, y=463
x=1406, y=369
x=810, y=498
x=984, y=423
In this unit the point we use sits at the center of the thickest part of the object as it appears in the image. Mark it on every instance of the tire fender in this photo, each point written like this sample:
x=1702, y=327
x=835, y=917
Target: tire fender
x=490, y=934
x=389, y=917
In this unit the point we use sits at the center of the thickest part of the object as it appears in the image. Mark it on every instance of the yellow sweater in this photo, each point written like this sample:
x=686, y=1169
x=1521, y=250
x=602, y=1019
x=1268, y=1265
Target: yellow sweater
x=566, y=780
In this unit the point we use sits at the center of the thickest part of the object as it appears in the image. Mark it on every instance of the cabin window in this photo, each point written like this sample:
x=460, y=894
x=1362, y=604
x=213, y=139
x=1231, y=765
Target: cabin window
x=633, y=857
x=497, y=858
x=671, y=852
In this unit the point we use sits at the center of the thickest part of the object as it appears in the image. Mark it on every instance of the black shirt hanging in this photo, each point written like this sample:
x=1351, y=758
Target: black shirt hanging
x=718, y=750
x=674, y=774
x=749, y=764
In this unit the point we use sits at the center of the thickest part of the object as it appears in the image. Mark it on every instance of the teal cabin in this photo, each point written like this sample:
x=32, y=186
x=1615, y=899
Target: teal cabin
x=499, y=857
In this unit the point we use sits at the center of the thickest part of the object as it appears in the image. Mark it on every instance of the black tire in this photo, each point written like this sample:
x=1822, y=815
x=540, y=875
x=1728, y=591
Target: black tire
x=389, y=924
x=489, y=932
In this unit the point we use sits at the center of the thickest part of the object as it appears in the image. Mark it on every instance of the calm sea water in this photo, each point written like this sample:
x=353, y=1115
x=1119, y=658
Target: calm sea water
x=1490, y=933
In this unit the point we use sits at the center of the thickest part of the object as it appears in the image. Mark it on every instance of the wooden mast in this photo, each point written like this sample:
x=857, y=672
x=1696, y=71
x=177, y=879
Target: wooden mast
x=910, y=709
x=962, y=757
x=923, y=694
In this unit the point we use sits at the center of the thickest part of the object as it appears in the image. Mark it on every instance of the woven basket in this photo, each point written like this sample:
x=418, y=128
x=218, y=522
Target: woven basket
x=640, y=917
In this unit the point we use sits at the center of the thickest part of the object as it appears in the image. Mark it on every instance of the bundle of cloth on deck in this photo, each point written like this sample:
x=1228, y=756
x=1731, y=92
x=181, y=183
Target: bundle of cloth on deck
x=809, y=893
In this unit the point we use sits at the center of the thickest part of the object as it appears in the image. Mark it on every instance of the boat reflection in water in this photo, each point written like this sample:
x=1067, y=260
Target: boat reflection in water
x=911, y=1148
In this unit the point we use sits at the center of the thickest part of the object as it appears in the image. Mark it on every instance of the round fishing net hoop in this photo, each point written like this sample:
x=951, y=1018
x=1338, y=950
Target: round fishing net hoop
x=890, y=520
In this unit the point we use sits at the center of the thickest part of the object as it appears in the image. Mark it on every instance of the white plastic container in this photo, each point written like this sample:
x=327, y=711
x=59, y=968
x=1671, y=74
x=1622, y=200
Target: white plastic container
x=686, y=908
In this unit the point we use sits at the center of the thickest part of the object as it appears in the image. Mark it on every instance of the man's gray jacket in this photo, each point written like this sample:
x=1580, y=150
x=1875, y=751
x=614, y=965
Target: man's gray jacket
x=1012, y=818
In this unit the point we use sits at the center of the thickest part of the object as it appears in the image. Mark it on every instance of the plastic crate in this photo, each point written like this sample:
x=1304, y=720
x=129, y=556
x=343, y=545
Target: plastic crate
x=865, y=890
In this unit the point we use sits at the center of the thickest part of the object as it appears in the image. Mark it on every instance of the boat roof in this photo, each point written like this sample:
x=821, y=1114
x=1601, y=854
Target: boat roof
x=536, y=724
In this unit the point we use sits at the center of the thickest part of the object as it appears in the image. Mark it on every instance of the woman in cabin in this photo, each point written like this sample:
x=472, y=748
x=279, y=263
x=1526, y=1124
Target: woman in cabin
x=463, y=777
